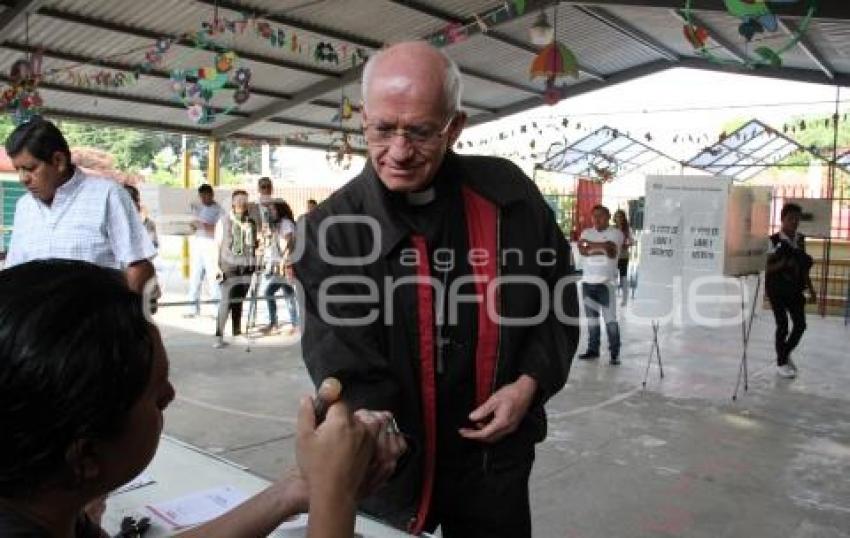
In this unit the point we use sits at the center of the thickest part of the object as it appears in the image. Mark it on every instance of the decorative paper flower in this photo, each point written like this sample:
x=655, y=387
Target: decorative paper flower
x=153, y=57
x=264, y=29
x=162, y=45
x=455, y=33
x=697, y=36
x=196, y=113
x=243, y=76
x=756, y=16
x=224, y=61
x=21, y=71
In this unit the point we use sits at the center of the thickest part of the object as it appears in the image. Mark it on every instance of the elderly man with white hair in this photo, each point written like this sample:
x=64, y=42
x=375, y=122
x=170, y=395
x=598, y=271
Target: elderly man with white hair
x=437, y=287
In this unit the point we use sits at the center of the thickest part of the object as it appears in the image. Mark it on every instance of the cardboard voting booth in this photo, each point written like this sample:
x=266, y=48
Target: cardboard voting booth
x=171, y=207
x=700, y=234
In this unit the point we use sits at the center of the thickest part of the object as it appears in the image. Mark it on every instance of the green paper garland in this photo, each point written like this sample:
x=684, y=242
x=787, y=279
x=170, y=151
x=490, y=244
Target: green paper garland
x=765, y=56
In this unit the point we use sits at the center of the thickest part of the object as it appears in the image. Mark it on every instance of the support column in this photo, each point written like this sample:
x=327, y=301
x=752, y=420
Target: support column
x=187, y=180
x=266, y=161
x=213, y=162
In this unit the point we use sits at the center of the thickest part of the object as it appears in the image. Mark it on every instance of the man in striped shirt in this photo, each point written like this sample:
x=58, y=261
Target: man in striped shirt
x=68, y=214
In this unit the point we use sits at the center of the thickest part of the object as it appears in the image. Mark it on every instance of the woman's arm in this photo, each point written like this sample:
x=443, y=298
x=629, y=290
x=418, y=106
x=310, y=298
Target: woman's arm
x=333, y=458
x=259, y=515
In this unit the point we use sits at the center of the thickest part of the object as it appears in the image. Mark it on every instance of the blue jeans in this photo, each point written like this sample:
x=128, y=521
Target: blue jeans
x=271, y=284
x=599, y=299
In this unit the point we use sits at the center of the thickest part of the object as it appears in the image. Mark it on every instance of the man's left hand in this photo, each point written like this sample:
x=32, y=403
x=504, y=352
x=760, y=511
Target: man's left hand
x=502, y=413
x=813, y=297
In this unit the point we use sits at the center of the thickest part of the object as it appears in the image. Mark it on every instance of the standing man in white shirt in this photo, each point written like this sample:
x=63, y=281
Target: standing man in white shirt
x=600, y=247
x=202, y=248
x=69, y=214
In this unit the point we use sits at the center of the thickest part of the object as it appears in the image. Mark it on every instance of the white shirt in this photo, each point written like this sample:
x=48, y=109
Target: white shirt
x=286, y=226
x=599, y=268
x=91, y=219
x=207, y=214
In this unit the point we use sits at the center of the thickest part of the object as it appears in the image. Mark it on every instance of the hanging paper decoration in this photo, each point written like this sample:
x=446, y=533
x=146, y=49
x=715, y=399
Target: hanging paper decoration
x=155, y=54
x=603, y=169
x=457, y=32
x=21, y=99
x=100, y=78
x=697, y=36
x=281, y=37
x=756, y=17
x=345, y=112
x=553, y=62
x=340, y=153
x=196, y=87
x=325, y=52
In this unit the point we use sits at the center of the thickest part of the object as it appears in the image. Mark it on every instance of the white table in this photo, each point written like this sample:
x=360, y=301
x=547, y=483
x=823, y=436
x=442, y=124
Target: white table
x=180, y=469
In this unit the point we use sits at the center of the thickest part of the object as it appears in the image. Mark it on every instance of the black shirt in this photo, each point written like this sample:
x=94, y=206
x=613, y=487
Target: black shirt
x=14, y=525
x=443, y=224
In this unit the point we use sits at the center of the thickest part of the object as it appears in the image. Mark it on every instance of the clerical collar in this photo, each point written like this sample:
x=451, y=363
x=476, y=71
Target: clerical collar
x=421, y=198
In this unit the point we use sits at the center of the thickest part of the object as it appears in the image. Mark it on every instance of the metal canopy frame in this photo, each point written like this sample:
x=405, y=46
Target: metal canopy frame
x=748, y=151
x=605, y=144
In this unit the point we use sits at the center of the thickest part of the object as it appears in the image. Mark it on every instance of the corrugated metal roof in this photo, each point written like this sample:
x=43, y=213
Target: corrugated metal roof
x=174, y=19
x=593, y=43
x=120, y=31
x=495, y=58
x=374, y=19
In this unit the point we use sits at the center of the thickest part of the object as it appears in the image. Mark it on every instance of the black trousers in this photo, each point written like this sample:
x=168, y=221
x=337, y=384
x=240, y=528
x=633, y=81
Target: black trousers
x=234, y=288
x=787, y=304
x=477, y=503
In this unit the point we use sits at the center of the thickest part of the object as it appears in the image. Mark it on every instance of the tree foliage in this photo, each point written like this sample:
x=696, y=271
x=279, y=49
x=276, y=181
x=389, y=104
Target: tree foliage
x=135, y=151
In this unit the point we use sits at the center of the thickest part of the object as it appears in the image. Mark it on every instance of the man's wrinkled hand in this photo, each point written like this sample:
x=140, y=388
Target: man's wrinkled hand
x=389, y=447
x=502, y=413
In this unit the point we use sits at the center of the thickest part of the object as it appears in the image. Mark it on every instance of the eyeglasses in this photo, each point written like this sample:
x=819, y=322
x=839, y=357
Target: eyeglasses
x=382, y=134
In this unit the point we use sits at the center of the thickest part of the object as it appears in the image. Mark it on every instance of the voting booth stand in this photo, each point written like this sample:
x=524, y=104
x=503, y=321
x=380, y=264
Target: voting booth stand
x=704, y=240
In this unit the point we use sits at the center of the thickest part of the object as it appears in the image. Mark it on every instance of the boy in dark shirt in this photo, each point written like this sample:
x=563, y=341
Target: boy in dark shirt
x=786, y=277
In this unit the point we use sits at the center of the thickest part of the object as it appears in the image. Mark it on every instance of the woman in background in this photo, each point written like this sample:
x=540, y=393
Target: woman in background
x=236, y=236
x=621, y=222
x=277, y=274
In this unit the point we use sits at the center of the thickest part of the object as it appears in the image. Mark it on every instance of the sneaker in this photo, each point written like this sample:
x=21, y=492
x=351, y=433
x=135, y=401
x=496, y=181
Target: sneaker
x=615, y=359
x=786, y=371
x=792, y=365
x=588, y=356
x=219, y=343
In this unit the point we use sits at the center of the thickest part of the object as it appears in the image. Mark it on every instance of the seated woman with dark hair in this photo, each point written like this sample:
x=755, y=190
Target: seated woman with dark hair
x=83, y=384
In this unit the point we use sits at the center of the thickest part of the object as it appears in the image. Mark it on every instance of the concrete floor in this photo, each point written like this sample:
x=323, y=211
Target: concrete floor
x=679, y=458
